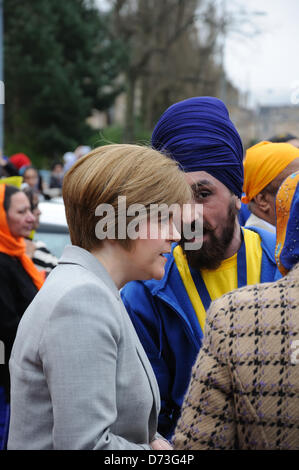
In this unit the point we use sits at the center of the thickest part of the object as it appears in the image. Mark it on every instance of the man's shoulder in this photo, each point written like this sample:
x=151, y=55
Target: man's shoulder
x=133, y=288
x=267, y=240
x=136, y=291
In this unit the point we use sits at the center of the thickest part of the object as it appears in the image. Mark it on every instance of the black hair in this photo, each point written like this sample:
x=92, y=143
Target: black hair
x=281, y=138
x=30, y=167
x=9, y=191
x=56, y=163
x=30, y=194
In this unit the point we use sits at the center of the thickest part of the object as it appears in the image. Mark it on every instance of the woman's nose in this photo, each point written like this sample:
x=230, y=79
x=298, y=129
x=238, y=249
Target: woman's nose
x=30, y=216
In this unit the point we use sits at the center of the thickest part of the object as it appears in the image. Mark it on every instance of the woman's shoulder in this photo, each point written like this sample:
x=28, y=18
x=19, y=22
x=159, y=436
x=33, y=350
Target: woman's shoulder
x=75, y=285
x=5, y=258
x=78, y=307
x=72, y=302
x=8, y=264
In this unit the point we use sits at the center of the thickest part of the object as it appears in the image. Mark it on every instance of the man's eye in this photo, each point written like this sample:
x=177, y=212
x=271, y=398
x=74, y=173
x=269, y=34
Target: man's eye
x=201, y=194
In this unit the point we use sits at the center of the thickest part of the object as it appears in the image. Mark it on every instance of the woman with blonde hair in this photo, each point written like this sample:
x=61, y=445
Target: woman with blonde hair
x=80, y=377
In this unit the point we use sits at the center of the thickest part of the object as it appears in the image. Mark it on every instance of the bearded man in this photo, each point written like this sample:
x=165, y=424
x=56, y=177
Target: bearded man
x=169, y=315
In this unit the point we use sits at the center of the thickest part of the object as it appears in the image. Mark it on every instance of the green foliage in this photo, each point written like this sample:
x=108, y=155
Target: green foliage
x=115, y=135
x=109, y=135
x=59, y=64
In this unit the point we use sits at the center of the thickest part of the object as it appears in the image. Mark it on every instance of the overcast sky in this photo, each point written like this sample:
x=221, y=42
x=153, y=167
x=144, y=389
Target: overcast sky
x=268, y=64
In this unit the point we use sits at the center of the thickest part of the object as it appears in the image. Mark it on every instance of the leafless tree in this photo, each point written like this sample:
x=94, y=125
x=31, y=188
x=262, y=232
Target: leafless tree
x=150, y=28
x=174, y=51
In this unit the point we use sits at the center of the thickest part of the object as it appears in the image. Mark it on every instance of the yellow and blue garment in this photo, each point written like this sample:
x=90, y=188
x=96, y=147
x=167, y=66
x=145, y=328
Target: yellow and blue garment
x=287, y=219
x=243, y=268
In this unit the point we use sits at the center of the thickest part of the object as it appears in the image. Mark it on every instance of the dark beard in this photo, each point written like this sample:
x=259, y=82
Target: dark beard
x=212, y=252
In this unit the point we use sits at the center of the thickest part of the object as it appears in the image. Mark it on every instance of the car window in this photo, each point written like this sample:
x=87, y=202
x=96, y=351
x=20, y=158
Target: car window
x=55, y=242
x=53, y=229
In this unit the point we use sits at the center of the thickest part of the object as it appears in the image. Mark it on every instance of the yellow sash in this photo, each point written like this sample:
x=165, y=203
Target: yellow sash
x=223, y=279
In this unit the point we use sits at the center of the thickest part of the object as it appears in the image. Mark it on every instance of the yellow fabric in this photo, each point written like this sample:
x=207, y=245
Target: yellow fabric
x=223, y=279
x=263, y=163
x=32, y=233
x=183, y=268
x=13, y=181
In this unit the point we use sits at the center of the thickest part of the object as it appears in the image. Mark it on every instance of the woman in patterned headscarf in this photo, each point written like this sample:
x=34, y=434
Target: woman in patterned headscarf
x=244, y=387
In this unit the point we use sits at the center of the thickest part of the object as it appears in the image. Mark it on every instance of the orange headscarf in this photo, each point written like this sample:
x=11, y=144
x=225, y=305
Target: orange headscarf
x=263, y=162
x=16, y=246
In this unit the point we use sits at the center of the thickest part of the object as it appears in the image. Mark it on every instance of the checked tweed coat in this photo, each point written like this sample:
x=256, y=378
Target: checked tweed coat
x=244, y=389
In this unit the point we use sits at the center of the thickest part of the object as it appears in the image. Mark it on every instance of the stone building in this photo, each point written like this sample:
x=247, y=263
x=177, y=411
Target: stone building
x=264, y=122
x=273, y=120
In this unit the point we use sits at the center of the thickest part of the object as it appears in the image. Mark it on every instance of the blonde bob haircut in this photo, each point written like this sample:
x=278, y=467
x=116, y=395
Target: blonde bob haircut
x=141, y=174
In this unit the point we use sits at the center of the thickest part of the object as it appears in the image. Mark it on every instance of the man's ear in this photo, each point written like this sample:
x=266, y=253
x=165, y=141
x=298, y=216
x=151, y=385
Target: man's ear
x=238, y=203
x=262, y=202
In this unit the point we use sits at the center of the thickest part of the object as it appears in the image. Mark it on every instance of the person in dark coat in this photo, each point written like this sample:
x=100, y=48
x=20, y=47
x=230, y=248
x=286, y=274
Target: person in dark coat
x=19, y=280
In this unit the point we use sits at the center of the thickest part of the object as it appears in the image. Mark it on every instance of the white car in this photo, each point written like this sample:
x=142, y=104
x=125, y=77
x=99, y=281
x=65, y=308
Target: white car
x=53, y=229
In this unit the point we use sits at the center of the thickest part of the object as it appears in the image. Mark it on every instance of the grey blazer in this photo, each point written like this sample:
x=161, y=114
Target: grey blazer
x=80, y=378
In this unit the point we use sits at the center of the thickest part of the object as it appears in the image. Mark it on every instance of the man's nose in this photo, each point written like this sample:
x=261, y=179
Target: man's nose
x=191, y=212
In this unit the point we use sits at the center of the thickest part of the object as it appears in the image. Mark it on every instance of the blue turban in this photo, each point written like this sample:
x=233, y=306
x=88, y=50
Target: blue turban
x=199, y=134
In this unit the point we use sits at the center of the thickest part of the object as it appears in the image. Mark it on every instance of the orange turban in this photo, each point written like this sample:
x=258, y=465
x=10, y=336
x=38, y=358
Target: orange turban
x=263, y=163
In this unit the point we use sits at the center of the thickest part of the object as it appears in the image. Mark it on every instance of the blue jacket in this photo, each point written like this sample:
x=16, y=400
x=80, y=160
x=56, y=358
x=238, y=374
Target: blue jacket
x=168, y=328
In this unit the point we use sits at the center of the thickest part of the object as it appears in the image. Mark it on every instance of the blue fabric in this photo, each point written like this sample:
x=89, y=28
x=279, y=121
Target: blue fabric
x=289, y=255
x=199, y=134
x=4, y=419
x=169, y=330
x=244, y=214
x=269, y=269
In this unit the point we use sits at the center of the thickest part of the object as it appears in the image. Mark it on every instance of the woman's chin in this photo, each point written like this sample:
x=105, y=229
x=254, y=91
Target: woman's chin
x=159, y=275
x=26, y=233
